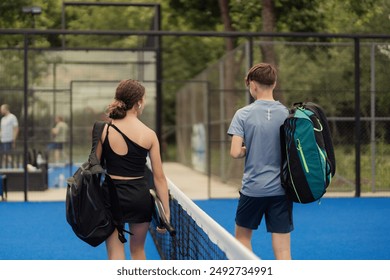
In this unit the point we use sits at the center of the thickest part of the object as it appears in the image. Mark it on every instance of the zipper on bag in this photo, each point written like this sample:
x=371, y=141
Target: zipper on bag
x=299, y=148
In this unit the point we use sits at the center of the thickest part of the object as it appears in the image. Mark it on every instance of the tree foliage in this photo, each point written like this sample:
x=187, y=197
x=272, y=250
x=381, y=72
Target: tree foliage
x=193, y=15
x=185, y=57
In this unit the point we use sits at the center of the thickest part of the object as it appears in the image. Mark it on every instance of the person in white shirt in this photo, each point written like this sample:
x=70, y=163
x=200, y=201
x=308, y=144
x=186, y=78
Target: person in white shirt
x=9, y=130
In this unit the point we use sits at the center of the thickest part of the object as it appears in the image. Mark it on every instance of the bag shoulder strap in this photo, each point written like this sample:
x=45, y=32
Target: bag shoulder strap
x=283, y=154
x=96, y=134
x=327, y=135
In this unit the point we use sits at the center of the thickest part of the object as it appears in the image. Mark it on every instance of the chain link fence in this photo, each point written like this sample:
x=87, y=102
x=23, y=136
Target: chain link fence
x=77, y=83
x=318, y=72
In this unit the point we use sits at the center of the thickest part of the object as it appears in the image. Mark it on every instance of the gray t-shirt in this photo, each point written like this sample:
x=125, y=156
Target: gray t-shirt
x=259, y=125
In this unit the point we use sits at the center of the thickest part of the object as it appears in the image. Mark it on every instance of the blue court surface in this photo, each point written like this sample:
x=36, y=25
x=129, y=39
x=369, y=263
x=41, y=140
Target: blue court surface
x=337, y=229
x=39, y=231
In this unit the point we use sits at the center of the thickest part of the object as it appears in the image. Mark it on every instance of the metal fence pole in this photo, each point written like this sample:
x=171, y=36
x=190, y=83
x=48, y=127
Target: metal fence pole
x=159, y=76
x=357, y=117
x=25, y=130
x=373, y=142
x=222, y=114
x=250, y=64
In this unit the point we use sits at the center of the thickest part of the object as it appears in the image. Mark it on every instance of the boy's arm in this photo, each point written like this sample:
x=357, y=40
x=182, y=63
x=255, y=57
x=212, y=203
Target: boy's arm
x=237, y=150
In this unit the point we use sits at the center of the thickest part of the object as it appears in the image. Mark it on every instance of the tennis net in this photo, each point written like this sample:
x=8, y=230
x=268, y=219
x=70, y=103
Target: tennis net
x=198, y=236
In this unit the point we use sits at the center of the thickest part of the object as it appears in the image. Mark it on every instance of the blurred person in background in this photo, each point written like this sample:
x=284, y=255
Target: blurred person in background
x=9, y=130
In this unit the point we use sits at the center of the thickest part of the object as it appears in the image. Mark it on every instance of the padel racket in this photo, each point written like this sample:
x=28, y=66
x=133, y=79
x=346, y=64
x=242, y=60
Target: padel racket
x=159, y=214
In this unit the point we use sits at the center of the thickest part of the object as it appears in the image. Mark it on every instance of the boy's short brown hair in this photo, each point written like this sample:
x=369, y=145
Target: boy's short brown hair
x=263, y=73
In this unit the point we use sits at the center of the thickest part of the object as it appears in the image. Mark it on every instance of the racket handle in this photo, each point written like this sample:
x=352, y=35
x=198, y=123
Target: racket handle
x=170, y=229
x=166, y=224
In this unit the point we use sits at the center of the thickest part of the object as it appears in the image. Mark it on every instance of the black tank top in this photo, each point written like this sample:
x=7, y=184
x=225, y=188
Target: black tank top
x=131, y=164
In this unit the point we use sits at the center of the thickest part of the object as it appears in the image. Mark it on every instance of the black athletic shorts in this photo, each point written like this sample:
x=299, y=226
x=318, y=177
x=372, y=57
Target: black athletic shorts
x=135, y=200
x=276, y=209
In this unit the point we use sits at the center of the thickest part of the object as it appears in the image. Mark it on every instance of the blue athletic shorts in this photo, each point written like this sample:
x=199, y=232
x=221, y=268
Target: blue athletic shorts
x=276, y=209
x=5, y=147
x=55, y=146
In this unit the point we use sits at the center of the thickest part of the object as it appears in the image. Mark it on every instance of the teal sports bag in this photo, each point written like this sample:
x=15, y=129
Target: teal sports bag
x=308, y=160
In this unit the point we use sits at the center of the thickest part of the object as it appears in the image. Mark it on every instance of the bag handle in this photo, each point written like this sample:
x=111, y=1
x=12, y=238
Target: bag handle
x=96, y=135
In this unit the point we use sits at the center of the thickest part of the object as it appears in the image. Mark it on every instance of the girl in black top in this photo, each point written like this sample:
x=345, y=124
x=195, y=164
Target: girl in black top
x=126, y=144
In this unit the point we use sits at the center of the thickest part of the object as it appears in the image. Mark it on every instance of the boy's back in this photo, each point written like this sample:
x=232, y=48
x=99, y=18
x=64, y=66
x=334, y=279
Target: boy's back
x=255, y=131
x=258, y=124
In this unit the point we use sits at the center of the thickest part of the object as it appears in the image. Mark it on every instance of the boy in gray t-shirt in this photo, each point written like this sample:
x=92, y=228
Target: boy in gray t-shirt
x=255, y=136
